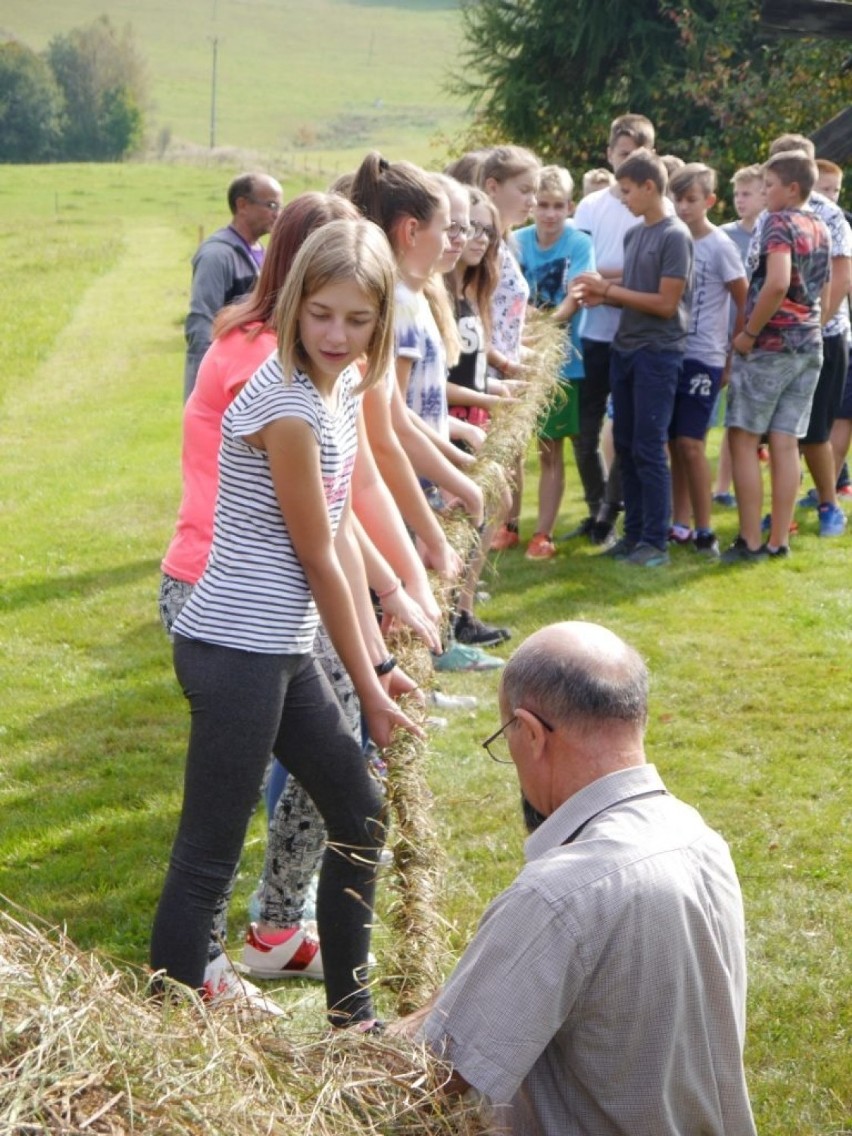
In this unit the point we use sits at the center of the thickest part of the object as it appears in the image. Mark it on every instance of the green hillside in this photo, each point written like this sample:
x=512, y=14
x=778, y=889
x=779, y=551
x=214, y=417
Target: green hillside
x=310, y=81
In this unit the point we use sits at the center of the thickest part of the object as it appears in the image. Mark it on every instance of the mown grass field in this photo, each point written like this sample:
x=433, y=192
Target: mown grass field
x=312, y=83
x=751, y=698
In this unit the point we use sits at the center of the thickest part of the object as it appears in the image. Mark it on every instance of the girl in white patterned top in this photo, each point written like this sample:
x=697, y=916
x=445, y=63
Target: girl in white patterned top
x=509, y=175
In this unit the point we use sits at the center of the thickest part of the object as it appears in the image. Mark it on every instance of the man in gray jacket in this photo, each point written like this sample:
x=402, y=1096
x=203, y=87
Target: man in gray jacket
x=227, y=264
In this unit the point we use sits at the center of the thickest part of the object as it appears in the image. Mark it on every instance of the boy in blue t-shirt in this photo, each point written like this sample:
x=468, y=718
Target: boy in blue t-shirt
x=647, y=353
x=551, y=253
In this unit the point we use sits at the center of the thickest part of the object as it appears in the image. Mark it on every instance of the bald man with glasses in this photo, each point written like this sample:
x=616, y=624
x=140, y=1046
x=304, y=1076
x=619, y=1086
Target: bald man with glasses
x=226, y=265
x=604, y=990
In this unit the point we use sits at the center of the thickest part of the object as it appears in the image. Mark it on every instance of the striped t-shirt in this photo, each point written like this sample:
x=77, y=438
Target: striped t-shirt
x=254, y=595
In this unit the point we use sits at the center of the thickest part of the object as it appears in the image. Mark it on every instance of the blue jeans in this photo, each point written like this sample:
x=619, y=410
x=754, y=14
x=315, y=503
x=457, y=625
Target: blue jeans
x=644, y=384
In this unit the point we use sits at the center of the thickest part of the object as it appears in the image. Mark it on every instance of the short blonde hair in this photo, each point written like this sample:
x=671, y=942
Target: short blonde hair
x=748, y=173
x=598, y=178
x=556, y=180
x=340, y=250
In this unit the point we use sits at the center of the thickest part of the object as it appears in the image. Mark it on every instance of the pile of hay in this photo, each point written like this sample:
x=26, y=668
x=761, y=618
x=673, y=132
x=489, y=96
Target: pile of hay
x=84, y=1051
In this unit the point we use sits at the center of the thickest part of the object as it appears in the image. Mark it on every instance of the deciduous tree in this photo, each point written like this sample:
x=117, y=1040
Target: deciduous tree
x=102, y=77
x=30, y=106
x=552, y=74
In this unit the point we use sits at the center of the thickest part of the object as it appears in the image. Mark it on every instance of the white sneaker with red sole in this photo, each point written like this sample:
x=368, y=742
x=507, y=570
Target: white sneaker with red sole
x=293, y=952
x=224, y=983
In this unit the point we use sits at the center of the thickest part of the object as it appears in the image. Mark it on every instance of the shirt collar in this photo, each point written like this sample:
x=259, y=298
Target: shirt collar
x=594, y=798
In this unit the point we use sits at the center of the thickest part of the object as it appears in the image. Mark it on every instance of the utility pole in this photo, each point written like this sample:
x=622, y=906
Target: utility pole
x=213, y=94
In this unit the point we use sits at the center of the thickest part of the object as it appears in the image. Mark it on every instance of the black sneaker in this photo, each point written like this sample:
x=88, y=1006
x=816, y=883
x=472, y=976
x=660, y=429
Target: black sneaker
x=779, y=553
x=474, y=633
x=740, y=553
x=707, y=545
x=602, y=532
x=585, y=528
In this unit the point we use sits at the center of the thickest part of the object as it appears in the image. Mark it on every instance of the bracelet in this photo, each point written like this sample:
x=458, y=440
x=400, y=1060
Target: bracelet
x=386, y=666
x=390, y=591
x=606, y=291
x=750, y=334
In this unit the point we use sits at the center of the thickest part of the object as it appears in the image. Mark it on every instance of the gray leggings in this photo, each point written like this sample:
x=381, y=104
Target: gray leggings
x=244, y=706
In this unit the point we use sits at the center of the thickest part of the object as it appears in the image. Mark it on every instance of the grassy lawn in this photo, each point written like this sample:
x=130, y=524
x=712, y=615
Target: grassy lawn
x=750, y=705
x=294, y=80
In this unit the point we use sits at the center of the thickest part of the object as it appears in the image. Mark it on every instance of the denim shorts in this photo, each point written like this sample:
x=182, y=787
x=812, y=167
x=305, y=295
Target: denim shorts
x=773, y=391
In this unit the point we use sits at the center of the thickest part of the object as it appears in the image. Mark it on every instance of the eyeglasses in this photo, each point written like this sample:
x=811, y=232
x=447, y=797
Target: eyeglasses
x=457, y=230
x=477, y=230
x=497, y=746
x=273, y=205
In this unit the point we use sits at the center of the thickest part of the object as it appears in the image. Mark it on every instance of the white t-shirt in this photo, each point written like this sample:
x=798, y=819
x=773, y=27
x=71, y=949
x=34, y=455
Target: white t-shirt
x=254, y=595
x=605, y=217
x=717, y=262
x=416, y=337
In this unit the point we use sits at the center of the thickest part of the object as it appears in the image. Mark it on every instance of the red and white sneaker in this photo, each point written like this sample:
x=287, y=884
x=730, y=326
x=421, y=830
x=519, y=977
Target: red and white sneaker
x=224, y=983
x=504, y=538
x=293, y=952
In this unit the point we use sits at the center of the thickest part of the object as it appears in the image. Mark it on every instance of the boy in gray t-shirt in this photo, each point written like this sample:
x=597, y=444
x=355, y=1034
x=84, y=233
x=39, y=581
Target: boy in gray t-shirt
x=647, y=354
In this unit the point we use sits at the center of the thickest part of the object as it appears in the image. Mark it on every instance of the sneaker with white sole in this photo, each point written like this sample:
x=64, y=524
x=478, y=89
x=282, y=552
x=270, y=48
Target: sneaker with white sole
x=292, y=952
x=444, y=701
x=832, y=520
x=224, y=983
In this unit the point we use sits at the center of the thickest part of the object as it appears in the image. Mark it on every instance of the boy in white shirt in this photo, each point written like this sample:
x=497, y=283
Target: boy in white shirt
x=605, y=218
x=719, y=277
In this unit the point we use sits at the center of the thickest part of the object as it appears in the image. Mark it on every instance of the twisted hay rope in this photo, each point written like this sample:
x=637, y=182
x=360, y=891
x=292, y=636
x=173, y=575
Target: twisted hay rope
x=414, y=963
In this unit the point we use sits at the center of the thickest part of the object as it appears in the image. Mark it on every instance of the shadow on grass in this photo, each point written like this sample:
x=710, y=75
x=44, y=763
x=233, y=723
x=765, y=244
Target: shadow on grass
x=76, y=585
x=582, y=581
x=90, y=812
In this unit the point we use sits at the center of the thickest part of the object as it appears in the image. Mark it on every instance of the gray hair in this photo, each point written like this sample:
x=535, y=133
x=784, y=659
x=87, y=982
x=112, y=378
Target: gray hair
x=569, y=687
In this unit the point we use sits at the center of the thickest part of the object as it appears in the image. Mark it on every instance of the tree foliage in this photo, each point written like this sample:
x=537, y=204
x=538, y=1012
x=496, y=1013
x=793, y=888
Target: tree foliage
x=552, y=74
x=30, y=106
x=102, y=78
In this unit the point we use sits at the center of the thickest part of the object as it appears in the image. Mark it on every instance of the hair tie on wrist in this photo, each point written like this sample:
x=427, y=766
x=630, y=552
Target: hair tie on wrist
x=389, y=592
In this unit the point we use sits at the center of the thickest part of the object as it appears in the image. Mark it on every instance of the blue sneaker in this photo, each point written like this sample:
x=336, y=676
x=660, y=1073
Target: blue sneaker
x=460, y=657
x=726, y=500
x=832, y=520
x=809, y=501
